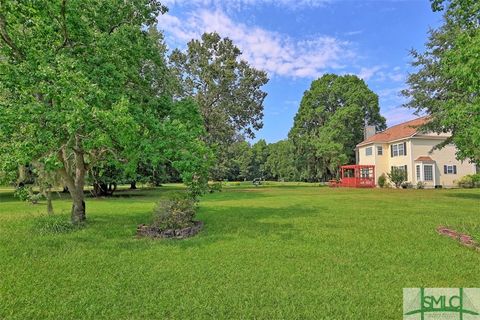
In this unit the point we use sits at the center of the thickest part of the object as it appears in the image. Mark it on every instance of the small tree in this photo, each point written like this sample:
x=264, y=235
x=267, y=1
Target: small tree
x=397, y=176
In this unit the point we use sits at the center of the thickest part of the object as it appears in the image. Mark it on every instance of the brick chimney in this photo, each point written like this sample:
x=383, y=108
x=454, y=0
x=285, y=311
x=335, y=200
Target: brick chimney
x=369, y=131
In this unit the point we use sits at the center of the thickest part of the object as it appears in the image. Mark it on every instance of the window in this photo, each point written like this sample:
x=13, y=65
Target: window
x=368, y=151
x=450, y=169
x=418, y=172
x=365, y=173
x=379, y=150
x=399, y=149
x=427, y=172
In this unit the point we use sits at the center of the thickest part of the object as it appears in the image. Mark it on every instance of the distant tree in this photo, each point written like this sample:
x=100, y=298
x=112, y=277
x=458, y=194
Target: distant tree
x=280, y=163
x=237, y=158
x=397, y=176
x=446, y=83
x=330, y=123
x=227, y=89
x=258, y=160
x=82, y=79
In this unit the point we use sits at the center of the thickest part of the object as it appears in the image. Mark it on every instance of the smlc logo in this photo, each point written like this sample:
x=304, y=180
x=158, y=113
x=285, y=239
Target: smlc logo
x=441, y=303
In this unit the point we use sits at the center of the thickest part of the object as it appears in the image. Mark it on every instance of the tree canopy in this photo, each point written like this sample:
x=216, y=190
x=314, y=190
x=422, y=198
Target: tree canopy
x=330, y=123
x=227, y=89
x=446, y=82
x=80, y=80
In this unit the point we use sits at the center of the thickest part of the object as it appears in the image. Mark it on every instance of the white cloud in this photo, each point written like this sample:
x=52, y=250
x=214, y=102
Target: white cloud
x=381, y=73
x=367, y=73
x=353, y=33
x=276, y=53
x=396, y=115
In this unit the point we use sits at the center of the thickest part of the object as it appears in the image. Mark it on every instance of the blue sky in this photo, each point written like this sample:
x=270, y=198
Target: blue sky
x=298, y=41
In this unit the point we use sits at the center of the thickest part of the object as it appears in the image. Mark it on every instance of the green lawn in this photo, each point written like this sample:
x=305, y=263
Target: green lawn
x=273, y=252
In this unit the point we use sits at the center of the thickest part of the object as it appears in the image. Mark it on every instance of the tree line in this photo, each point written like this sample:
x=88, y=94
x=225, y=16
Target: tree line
x=90, y=95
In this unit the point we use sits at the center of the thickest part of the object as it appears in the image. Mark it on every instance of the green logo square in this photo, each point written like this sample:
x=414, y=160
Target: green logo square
x=441, y=303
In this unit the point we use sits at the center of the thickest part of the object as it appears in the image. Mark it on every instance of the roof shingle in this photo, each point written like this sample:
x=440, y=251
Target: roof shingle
x=399, y=131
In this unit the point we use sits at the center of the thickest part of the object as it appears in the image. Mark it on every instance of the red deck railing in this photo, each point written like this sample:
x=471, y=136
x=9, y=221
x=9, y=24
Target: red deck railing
x=355, y=176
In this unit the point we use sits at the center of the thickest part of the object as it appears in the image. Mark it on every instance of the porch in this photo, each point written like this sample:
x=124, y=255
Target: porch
x=355, y=176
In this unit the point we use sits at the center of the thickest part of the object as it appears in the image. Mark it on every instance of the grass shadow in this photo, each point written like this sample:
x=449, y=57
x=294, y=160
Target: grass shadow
x=470, y=196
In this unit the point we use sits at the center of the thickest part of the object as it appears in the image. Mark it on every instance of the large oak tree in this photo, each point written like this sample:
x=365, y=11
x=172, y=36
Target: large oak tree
x=330, y=123
x=446, y=83
x=227, y=89
x=82, y=79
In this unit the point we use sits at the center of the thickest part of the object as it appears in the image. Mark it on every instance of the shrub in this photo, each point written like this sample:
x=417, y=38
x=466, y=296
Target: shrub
x=23, y=193
x=421, y=185
x=470, y=181
x=397, y=176
x=382, y=180
x=176, y=212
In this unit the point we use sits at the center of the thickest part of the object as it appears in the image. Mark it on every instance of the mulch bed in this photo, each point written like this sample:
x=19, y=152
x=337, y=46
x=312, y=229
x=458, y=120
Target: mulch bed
x=463, y=239
x=153, y=232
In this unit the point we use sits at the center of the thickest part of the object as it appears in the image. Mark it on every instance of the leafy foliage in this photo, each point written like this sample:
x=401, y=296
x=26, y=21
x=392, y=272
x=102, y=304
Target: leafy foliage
x=176, y=212
x=83, y=82
x=397, y=176
x=330, y=123
x=280, y=163
x=227, y=90
x=447, y=81
x=470, y=181
x=23, y=193
x=382, y=180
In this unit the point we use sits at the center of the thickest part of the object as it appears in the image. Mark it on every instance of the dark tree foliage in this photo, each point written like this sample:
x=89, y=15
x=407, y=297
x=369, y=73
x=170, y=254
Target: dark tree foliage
x=80, y=80
x=227, y=89
x=446, y=83
x=330, y=123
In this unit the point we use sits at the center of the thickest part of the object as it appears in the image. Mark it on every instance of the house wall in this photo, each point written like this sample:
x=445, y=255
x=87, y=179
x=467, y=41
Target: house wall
x=400, y=161
x=384, y=162
x=444, y=156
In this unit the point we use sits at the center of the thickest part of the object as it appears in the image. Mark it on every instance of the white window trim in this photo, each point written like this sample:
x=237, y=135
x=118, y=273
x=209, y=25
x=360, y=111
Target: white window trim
x=379, y=150
x=450, y=169
x=396, y=149
x=433, y=172
x=366, y=151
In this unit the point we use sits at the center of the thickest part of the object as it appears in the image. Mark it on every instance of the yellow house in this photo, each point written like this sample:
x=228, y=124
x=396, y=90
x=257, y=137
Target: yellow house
x=404, y=147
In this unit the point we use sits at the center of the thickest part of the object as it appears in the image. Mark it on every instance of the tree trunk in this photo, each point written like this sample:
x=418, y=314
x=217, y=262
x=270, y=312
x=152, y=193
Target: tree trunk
x=133, y=185
x=99, y=189
x=78, y=209
x=49, y=202
x=75, y=181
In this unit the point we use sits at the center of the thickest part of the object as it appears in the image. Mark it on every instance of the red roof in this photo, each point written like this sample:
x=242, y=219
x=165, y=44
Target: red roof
x=424, y=159
x=397, y=132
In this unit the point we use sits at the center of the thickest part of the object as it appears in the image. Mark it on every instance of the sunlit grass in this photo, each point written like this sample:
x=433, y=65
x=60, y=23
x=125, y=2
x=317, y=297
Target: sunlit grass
x=268, y=252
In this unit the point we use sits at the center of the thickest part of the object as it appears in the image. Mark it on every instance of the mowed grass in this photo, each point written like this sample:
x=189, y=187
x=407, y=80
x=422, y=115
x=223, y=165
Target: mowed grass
x=272, y=252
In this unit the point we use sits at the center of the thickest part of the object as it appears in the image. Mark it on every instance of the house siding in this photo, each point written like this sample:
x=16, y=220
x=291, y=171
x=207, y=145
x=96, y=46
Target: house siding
x=417, y=147
x=442, y=157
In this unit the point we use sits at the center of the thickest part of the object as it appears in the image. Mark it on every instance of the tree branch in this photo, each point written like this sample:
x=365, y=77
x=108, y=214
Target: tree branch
x=80, y=167
x=7, y=40
x=64, y=25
